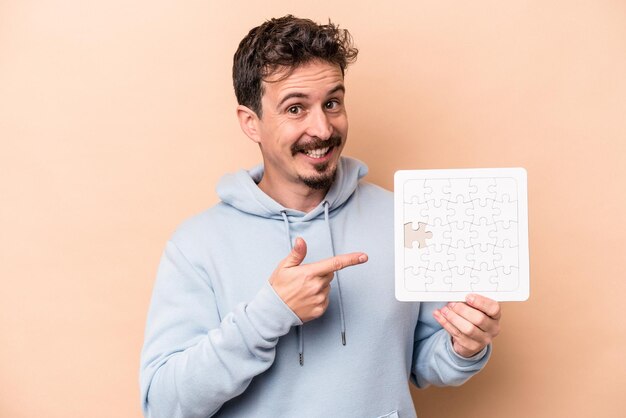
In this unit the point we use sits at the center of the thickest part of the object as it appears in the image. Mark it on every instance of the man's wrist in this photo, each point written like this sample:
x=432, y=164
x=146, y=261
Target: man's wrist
x=464, y=354
x=269, y=314
x=477, y=356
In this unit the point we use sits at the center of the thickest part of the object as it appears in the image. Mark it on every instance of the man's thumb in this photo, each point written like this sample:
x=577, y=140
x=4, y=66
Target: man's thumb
x=297, y=254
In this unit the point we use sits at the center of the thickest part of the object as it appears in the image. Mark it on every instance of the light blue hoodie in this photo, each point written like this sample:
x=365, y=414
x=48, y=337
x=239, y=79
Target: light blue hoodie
x=220, y=342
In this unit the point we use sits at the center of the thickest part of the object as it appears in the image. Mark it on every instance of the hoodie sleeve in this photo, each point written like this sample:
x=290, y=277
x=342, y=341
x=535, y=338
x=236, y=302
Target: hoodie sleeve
x=434, y=360
x=192, y=361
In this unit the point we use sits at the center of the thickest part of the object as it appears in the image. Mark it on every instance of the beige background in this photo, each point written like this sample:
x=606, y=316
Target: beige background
x=117, y=119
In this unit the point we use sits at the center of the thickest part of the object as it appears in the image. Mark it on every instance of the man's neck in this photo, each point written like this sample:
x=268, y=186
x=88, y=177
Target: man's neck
x=293, y=196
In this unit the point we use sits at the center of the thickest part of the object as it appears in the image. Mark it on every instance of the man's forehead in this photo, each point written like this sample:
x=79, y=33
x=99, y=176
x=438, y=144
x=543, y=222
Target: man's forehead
x=309, y=71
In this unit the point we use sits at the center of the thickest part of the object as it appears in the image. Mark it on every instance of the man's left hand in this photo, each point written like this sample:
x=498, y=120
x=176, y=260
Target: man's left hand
x=472, y=325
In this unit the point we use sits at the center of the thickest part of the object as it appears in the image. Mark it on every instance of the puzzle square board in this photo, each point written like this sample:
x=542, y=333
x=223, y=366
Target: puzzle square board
x=461, y=231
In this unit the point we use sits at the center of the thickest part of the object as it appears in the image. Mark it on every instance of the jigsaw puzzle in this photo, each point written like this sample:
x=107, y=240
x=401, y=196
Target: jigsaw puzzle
x=460, y=232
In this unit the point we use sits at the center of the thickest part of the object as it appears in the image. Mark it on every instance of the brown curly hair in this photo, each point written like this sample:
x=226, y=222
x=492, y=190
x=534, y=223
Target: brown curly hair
x=285, y=42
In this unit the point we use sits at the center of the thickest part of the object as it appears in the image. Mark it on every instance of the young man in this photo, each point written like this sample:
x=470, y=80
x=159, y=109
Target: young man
x=279, y=300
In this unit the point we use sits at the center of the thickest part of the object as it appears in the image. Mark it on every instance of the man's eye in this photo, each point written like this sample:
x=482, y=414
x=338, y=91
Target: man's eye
x=294, y=110
x=333, y=104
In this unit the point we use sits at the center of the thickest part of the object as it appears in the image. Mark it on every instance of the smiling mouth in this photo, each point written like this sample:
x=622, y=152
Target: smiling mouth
x=317, y=149
x=317, y=153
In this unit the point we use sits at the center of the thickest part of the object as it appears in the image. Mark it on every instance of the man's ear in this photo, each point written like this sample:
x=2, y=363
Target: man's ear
x=249, y=123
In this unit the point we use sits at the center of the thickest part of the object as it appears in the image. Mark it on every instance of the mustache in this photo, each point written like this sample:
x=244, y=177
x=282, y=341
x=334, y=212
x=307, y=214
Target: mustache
x=333, y=141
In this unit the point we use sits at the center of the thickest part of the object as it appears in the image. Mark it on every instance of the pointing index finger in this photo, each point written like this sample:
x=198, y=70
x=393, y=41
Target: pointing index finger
x=338, y=262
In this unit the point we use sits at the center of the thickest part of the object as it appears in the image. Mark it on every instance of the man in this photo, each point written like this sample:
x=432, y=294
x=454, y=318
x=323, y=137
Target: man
x=279, y=301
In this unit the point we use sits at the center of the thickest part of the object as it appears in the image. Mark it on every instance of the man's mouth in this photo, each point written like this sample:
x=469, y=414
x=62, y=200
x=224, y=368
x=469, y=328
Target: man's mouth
x=317, y=153
x=317, y=149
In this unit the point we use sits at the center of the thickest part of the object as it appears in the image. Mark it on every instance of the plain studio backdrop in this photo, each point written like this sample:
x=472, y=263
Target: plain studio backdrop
x=118, y=118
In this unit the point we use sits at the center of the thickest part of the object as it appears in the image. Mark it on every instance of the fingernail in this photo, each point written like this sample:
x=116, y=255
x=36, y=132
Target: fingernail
x=444, y=311
x=363, y=258
x=451, y=305
x=469, y=298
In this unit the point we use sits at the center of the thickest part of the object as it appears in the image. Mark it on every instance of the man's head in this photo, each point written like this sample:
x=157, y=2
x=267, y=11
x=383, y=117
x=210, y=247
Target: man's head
x=288, y=75
x=285, y=43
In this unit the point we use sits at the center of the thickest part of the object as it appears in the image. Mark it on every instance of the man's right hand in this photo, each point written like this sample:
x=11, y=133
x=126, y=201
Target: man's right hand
x=305, y=287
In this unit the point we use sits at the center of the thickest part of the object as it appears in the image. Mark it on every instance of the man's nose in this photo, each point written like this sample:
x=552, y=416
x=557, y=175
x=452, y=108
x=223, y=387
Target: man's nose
x=319, y=125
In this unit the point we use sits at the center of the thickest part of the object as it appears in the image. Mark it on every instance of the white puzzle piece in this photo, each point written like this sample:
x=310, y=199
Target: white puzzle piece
x=461, y=231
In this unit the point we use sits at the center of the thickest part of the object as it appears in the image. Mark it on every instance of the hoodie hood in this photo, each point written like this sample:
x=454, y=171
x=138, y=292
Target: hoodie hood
x=240, y=190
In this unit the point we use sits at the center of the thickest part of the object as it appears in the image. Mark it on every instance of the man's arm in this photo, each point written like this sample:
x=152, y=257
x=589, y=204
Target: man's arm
x=192, y=363
x=453, y=341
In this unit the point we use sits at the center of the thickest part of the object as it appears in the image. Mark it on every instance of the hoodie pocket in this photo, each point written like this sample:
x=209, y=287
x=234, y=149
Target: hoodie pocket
x=392, y=414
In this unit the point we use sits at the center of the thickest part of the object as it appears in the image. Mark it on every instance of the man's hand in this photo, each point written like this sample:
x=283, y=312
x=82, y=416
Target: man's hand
x=472, y=325
x=305, y=287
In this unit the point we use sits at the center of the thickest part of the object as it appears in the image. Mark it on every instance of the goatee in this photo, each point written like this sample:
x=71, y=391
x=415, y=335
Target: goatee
x=323, y=181
x=326, y=173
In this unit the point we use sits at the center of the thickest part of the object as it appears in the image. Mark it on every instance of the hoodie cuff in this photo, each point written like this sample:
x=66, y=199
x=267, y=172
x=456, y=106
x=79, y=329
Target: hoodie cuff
x=481, y=357
x=269, y=315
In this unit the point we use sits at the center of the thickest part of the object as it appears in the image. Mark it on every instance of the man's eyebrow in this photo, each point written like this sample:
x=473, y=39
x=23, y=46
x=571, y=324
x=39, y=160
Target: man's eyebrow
x=338, y=87
x=291, y=96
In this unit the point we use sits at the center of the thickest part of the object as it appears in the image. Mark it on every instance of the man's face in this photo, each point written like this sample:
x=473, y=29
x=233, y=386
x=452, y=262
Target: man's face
x=304, y=126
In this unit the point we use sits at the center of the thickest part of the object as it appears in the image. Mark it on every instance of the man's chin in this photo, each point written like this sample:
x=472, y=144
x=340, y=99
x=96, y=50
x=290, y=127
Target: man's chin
x=320, y=181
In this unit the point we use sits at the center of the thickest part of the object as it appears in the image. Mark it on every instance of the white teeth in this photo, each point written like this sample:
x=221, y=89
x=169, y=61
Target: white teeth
x=317, y=153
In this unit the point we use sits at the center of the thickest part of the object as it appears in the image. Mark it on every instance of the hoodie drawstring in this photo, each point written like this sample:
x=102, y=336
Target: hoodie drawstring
x=332, y=247
x=299, y=327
